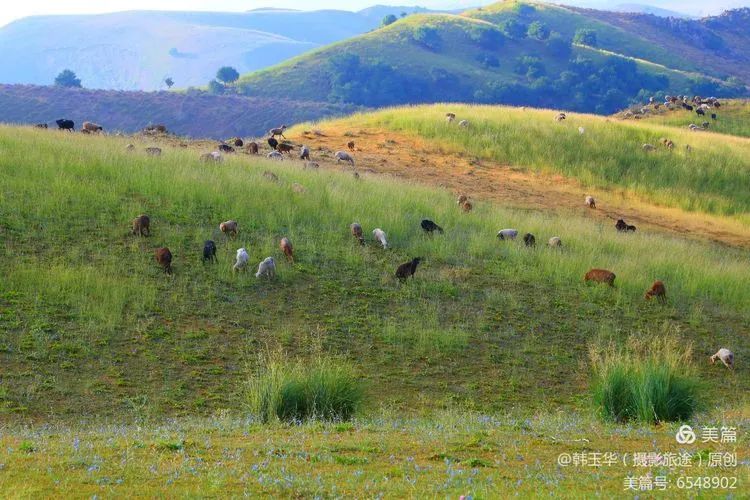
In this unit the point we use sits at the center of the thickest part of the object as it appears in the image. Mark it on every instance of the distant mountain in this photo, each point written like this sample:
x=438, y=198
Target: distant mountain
x=137, y=50
x=519, y=53
x=194, y=114
x=648, y=9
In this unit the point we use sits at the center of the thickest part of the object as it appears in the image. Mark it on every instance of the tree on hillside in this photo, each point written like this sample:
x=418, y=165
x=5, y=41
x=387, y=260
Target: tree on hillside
x=585, y=37
x=169, y=82
x=389, y=19
x=227, y=74
x=538, y=30
x=67, y=78
x=514, y=29
x=487, y=37
x=428, y=37
x=559, y=46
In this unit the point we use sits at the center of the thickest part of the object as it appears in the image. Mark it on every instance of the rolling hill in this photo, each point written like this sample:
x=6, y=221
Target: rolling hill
x=137, y=50
x=118, y=379
x=193, y=114
x=511, y=52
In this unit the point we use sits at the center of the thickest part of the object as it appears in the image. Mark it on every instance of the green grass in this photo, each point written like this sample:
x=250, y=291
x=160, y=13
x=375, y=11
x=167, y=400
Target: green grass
x=90, y=325
x=294, y=391
x=650, y=381
x=714, y=178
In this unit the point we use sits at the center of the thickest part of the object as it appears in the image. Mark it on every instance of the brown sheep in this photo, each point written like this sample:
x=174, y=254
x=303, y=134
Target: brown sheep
x=252, y=148
x=357, y=232
x=286, y=247
x=142, y=225
x=229, y=228
x=467, y=206
x=350, y=145
x=461, y=199
x=238, y=143
x=284, y=148
x=91, y=127
x=657, y=290
x=164, y=259
x=600, y=276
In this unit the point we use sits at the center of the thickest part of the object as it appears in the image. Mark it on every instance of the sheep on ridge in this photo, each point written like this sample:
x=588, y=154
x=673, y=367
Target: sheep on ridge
x=275, y=155
x=277, y=131
x=304, y=153
x=91, y=127
x=252, y=148
x=343, y=156
x=153, y=151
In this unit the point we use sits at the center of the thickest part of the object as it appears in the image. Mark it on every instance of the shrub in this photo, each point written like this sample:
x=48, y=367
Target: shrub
x=389, y=19
x=538, y=30
x=487, y=38
x=514, y=29
x=585, y=37
x=648, y=381
x=295, y=392
x=428, y=37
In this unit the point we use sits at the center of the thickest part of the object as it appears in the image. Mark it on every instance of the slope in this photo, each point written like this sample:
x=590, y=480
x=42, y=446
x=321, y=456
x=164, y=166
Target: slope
x=90, y=326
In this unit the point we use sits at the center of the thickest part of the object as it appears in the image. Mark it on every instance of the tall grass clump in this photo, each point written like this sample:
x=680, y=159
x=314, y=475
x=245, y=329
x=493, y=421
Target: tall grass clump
x=648, y=381
x=324, y=389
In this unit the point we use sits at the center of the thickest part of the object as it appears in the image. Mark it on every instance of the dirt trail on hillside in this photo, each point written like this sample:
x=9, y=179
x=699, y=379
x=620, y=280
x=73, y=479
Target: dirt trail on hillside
x=415, y=159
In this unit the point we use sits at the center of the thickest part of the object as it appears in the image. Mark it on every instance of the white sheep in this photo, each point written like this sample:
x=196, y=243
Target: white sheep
x=555, y=241
x=343, y=156
x=449, y=117
x=241, y=261
x=581, y=130
x=507, y=234
x=275, y=155
x=267, y=267
x=590, y=202
x=463, y=123
x=725, y=356
x=379, y=236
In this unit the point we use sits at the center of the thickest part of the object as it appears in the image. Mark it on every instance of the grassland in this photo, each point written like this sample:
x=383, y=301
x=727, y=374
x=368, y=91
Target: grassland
x=713, y=178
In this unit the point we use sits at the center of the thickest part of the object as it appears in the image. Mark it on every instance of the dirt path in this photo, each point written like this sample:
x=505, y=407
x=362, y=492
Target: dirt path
x=415, y=159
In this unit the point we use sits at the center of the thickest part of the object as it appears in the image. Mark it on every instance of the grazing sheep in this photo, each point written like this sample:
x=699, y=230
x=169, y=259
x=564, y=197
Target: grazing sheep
x=130, y=147
x=621, y=226
x=356, y=230
x=507, y=234
x=229, y=228
x=408, y=269
x=275, y=155
x=153, y=151
x=267, y=268
x=213, y=156
x=600, y=276
x=225, y=148
x=343, y=156
x=64, y=124
x=252, y=148
x=350, y=145
x=467, y=206
x=450, y=117
x=379, y=236
x=705, y=124
x=41, y=125
x=284, y=148
x=164, y=259
x=209, y=251
x=272, y=142
x=657, y=290
x=430, y=226
x=304, y=153
x=590, y=202
x=277, y=131
x=161, y=129
x=725, y=356
x=240, y=260
x=91, y=127
x=142, y=225
x=311, y=164
x=581, y=130
x=529, y=240
x=238, y=143
x=286, y=247
x=462, y=199
x=560, y=117
x=667, y=143
x=555, y=241
x=463, y=123
x=700, y=112
x=648, y=147
x=713, y=116
x=270, y=176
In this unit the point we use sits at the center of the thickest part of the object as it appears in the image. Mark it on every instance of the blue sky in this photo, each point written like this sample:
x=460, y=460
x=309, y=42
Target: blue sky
x=15, y=9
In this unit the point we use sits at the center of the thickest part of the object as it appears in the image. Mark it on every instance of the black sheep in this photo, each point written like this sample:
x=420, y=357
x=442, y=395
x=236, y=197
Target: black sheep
x=407, y=269
x=64, y=124
x=713, y=116
x=209, y=251
x=622, y=226
x=700, y=112
x=529, y=240
x=273, y=143
x=430, y=226
x=226, y=148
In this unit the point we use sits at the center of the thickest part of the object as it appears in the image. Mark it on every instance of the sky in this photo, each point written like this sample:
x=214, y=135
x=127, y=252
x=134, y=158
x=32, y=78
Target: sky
x=16, y=9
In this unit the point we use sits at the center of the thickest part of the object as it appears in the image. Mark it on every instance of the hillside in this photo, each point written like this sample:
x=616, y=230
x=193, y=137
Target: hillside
x=193, y=114
x=85, y=309
x=136, y=50
x=488, y=56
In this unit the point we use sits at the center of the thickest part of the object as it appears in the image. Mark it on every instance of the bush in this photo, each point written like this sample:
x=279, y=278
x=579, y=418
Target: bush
x=428, y=37
x=585, y=37
x=487, y=38
x=388, y=20
x=648, y=381
x=538, y=31
x=296, y=392
x=514, y=29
